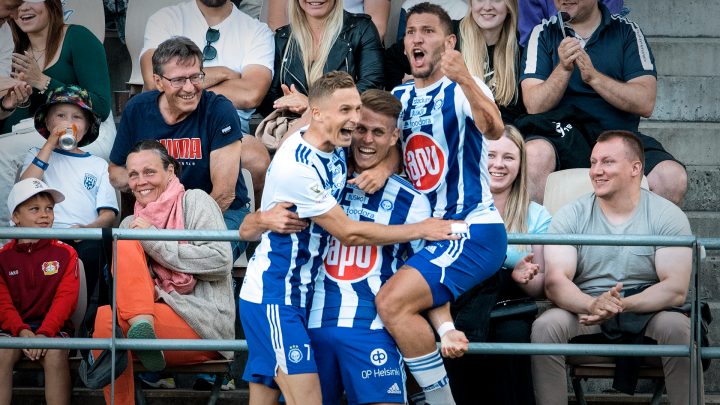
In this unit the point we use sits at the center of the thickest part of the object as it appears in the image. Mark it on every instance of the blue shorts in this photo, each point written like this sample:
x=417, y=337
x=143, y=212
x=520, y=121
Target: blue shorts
x=452, y=267
x=364, y=363
x=277, y=338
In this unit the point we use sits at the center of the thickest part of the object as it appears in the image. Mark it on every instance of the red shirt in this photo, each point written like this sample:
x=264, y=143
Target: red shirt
x=38, y=285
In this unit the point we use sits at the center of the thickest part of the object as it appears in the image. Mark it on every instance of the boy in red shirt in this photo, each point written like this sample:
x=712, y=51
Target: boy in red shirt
x=38, y=290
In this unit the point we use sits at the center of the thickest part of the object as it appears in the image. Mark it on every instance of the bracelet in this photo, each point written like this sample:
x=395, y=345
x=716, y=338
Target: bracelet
x=444, y=328
x=24, y=104
x=2, y=107
x=40, y=163
x=45, y=87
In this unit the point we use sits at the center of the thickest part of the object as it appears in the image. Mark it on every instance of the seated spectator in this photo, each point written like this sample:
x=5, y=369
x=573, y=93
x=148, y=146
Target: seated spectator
x=488, y=42
x=190, y=296
x=612, y=290
x=83, y=178
x=319, y=40
x=49, y=54
x=600, y=66
x=38, y=291
x=12, y=92
x=237, y=61
x=378, y=10
x=200, y=129
x=507, y=379
x=533, y=12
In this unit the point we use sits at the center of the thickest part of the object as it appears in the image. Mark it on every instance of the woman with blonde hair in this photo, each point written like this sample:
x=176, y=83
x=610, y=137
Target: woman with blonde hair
x=320, y=38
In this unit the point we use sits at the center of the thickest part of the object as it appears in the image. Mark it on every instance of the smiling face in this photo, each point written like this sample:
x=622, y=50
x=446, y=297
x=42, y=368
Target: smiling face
x=425, y=41
x=338, y=115
x=179, y=102
x=316, y=9
x=374, y=135
x=579, y=10
x=65, y=116
x=503, y=164
x=32, y=17
x=147, y=178
x=35, y=212
x=613, y=168
x=489, y=15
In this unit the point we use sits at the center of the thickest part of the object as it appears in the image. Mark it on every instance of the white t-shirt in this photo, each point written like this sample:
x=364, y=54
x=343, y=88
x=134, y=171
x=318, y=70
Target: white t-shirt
x=354, y=6
x=6, y=49
x=243, y=40
x=84, y=180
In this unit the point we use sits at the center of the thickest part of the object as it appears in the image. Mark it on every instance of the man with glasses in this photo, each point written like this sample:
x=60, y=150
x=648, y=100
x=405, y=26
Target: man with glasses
x=198, y=127
x=238, y=57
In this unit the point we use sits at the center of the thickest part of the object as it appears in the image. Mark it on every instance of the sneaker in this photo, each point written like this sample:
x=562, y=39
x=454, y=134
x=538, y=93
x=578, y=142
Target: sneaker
x=204, y=382
x=153, y=360
x=155, y=380
x=228, y=385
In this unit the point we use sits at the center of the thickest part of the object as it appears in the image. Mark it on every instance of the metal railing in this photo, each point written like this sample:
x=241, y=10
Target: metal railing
x=691, y=350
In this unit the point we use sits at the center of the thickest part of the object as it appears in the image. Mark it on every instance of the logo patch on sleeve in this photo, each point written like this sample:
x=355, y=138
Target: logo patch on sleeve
x=50, y=268
x=226, y=130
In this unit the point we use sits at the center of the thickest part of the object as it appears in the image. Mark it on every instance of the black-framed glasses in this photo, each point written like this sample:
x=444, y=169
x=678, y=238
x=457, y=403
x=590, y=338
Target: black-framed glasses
x=209, y=52
x=179, y=82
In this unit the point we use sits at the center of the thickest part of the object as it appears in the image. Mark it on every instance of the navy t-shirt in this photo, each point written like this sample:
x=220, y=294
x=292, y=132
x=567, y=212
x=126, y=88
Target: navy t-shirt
x=617, y=48
x=213, y=125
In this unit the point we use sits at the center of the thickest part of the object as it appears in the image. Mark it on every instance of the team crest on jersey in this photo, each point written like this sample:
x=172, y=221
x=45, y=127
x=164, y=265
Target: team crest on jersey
x=350, y=263
x=50, y=268
x=424, y=162
x=386, y=205
x=90, y=181
x=295, y=354
x=378, y=357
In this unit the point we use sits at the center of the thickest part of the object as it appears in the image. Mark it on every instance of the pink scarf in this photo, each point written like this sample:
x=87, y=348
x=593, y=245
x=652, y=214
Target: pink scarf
x=166, y=213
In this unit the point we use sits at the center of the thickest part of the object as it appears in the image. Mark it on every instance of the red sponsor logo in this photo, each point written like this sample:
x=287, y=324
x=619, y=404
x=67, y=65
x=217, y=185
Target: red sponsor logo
x=424, y=162
x=350, y=263
x=183, y=148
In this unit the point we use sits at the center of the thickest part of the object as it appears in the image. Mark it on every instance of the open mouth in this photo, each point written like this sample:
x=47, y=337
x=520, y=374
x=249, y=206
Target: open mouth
x=26, y=17
x=496, y=174
x=347, y=131
x=188, y=97
x=418, y=56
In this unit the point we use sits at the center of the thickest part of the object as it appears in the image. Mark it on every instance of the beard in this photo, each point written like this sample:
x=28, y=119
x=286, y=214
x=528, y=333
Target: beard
x=214, y=3
x=426, y=72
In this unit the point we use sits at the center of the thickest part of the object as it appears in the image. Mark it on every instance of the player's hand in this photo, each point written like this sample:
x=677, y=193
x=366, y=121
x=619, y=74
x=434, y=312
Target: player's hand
x=434, y=229
x=281, y=220
x=568, y=51
x=453, y=66
x=453, y=344
x=371, y=180
x=292, y=100
x=525, y=270
x=586, y=67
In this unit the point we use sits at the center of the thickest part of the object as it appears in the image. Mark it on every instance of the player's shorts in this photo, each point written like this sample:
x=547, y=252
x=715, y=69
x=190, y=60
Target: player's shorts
x=364, y=363
x=451, y=267
x=277, y=338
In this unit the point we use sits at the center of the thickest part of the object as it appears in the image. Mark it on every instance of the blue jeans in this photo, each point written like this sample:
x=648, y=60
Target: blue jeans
x=233, y=219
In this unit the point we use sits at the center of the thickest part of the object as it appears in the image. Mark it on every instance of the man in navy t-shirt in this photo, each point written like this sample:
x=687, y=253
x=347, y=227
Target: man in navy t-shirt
x=199, y=128
x=602, y=65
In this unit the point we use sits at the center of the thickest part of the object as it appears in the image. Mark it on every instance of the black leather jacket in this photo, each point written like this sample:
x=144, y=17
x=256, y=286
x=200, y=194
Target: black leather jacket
x=357, y=50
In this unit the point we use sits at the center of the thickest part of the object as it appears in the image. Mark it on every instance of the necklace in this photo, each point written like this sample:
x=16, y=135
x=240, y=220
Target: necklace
x=40, y=53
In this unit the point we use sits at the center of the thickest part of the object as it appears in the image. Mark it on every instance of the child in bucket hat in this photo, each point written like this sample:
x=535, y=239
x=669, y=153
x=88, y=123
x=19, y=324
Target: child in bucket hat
x=90, y=200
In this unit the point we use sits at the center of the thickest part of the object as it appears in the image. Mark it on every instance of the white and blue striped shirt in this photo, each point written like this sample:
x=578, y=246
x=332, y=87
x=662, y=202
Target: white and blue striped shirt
x=284, y=267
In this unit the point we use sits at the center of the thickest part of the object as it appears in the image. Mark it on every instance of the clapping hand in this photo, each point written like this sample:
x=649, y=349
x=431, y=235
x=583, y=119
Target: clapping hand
x=292, y=100
x=25, y=68
x=525, y=270
x=604, y=307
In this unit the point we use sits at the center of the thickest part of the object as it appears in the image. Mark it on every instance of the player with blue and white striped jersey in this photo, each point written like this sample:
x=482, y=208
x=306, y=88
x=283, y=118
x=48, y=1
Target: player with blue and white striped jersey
x=309, y=172
x=447, y=114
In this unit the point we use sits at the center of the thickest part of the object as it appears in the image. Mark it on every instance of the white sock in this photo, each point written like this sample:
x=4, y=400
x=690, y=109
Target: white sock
x=429, y=372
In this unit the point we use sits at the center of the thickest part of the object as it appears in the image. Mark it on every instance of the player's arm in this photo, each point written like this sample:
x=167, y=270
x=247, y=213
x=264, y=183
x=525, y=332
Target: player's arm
x=371, y=180
x=453, y=343
x=245, y=90
x=224, y=169
x=278, y=219
x=484, y=110
x=674, y=267
x=360, y=233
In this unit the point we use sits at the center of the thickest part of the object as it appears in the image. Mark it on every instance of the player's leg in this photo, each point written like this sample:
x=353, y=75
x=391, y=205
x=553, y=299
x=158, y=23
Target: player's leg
x=261, y=394
x=299, y=389
x=8, y=358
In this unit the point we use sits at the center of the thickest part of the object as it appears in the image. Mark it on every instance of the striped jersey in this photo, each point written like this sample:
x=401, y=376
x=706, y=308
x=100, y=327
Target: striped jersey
x=284, y=267
x=444, y=152
x=346, y=287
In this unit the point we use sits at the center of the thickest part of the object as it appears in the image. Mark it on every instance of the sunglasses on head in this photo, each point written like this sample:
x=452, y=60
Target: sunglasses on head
x=209, y=52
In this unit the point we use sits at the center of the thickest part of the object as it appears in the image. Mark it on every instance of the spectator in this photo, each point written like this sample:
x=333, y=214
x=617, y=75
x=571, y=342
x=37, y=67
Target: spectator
x=49, y=54
x=488, y=43
x=448, y=116
x=378, y=10
x=200, y=129
x=13, y=92
x=281, y=273
x=38, y=291
x=507, y=379
x=190, y=296
x=606, y=289
x=603, y=67
x=237, y=62
x=321, y=39
x=91, y=201
x=533, y=12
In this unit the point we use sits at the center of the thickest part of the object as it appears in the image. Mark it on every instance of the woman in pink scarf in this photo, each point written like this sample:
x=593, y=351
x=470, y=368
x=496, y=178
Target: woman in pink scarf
x=168, y=289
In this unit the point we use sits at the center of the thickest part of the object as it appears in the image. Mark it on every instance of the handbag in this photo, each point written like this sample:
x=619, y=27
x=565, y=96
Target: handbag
x=515, y=307
x=273, y=127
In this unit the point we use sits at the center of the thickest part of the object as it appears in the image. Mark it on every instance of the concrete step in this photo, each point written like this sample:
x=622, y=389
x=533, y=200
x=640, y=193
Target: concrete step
x=693, y=143
x=686, y=56
x=676, y=18
x=705, y=224
x=703, y=186
x=688, y=98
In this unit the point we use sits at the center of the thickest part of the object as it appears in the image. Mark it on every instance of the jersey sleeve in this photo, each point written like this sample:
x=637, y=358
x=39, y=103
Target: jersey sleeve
x=305, y=190
x=638, y=59
x=537, y=61
x=224, y=127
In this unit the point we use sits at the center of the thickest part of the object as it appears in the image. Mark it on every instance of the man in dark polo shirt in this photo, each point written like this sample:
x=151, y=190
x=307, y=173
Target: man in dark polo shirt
x=602, y=65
